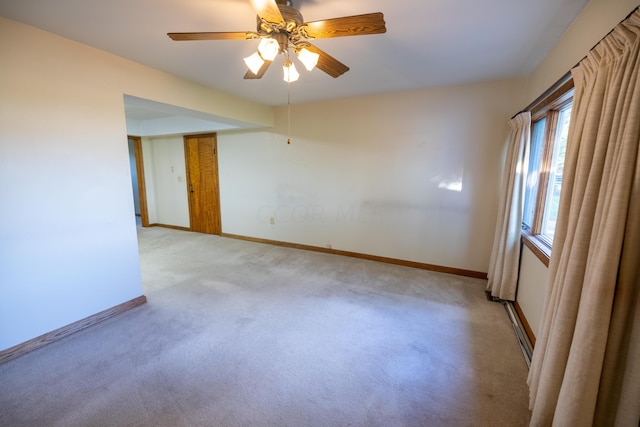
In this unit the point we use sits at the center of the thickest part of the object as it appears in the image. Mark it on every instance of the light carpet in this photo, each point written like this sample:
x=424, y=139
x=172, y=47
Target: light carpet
x=237, y=333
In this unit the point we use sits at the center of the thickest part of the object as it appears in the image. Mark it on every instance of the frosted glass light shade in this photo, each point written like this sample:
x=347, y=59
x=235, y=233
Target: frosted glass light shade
x=254, y=62
x=268, y=49
x=290, y=72
x=308, y=58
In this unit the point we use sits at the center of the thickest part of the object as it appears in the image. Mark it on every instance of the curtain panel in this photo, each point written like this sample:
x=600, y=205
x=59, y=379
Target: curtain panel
x=505, y=254
x=586, y=364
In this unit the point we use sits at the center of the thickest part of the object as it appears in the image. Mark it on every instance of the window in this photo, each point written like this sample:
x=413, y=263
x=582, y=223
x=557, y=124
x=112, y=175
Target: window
x=555, y=174
x=550, y=128
x=535, y=158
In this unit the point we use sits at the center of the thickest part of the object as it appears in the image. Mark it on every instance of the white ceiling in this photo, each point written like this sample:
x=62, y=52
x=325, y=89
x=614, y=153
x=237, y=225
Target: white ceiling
x=428, y=42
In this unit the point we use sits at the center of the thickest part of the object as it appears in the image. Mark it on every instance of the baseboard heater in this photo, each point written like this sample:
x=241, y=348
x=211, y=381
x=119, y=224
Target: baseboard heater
x=518, y=327
x=523, y=339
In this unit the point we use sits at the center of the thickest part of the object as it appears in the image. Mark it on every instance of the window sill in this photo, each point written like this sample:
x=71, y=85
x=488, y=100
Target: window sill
x=537, y=246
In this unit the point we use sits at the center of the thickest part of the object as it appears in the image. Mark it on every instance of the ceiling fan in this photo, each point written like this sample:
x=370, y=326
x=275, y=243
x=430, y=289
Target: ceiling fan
x=281, y=28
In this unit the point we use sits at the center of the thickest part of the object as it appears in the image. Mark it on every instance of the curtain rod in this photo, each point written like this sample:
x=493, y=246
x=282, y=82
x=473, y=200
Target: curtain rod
x=562, y=80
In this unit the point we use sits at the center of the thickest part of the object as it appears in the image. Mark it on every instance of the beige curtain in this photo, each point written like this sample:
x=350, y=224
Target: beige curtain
x=586, y=364
x=505, y=255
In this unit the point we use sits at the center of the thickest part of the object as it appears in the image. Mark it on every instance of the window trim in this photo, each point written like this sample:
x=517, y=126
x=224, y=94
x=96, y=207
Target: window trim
x=537, y=246
x=553, y=100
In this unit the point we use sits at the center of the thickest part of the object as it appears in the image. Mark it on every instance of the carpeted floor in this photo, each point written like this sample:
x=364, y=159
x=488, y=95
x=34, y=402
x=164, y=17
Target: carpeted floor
x=245, y=334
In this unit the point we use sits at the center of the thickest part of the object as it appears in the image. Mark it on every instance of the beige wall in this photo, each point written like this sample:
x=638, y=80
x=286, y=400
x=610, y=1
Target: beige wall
x=532, y=288
x=68, y=246
x=410, y=175
x=168, y=168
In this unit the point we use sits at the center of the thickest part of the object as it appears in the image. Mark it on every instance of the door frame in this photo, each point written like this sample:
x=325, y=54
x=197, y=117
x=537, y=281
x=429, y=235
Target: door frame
x=142, y=189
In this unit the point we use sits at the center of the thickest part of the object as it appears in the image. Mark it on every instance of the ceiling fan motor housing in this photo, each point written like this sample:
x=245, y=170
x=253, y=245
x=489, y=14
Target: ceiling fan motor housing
x=292, y=18
x=282, y=33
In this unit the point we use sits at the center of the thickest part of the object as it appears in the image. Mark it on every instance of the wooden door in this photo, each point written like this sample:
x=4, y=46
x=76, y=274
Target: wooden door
x=201, y=156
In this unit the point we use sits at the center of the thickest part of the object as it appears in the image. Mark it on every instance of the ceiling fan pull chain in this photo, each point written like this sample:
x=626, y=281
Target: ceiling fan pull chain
x=289, y=110
x=288, y=102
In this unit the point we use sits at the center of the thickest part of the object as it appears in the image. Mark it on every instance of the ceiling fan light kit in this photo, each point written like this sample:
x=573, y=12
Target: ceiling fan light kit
x=290, y=72
x=254, y=62
x=269, y=49
x=309, y=59
x=281, y=28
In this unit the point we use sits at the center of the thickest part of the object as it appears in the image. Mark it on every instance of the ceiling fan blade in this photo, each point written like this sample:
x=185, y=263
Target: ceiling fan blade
x=357, y=25
x=247, y=35
x=249, y=74
x=328, y=63
x=267, y=10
